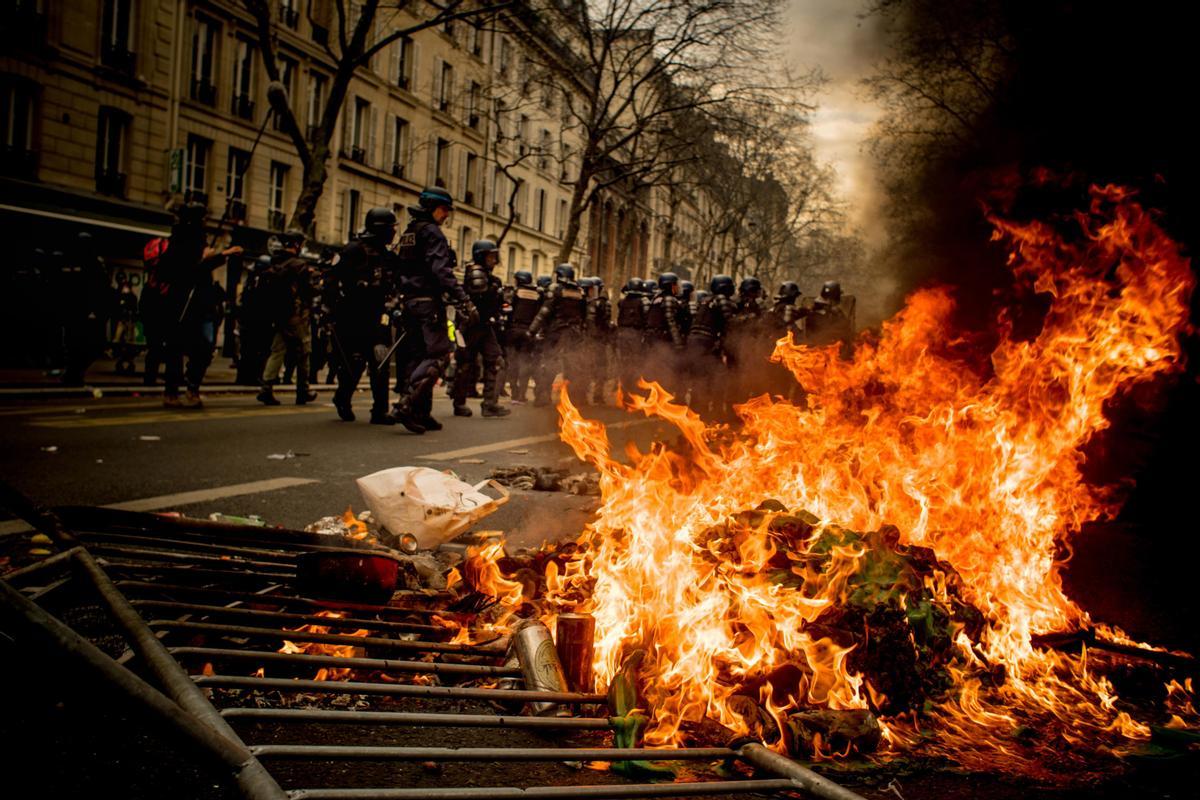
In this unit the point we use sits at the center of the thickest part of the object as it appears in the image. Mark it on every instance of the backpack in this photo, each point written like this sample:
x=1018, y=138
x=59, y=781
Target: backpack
x=152, y=255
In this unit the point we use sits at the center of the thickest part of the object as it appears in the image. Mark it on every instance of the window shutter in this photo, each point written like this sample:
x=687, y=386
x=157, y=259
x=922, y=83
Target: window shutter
x=414, y=69
x=430, y=175
x=394, y=68
x=436, y=94
x=349, y=106
x=462, y=175
x=372, y=153
x=450, y=102
x=389, y=144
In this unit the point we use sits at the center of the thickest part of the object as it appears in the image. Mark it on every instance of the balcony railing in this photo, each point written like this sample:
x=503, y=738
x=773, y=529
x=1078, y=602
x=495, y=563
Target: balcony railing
x=204, y=92
x=402, y=81
x=397, y=169
x=111, y=183
x=473, y=121
x=443, y=104
x=243, y=106
x=18, y=162
x=119, y=58
x=236, y=211
x=358, y=154
x=276, y=220
x=469, y=197
x=290, y=17
x=196, y=196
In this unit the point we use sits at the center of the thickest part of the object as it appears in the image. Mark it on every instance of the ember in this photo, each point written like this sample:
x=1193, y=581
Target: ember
x=322, y=649
x=929, y=623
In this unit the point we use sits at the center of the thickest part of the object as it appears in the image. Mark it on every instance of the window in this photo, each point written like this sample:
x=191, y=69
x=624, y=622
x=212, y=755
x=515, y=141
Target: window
x=204, y=59
x=522, y=198
x=473, y=106
x=353, y=209
x=523, y=135
x=441, y=164
x=535, y=262
x=513, y=263
x=236, y=167
x=399, y=148
x=360, y=135
x=277, y=196
x=111, y=129
x=196, y=169
x=289, y=15
x=560, y=221
x=501, y=120
x=18, y=158
x=474, y=39
x=504, y=62
x=448, y=28
x=497, y=189
x=464, y=242
x=316, y=102
x=117, y=33
x=470, y=179
x=544, y=151
x=243, y=81
x=539, y=209
x=445, y=87
x=405, y=55
x=287, y=76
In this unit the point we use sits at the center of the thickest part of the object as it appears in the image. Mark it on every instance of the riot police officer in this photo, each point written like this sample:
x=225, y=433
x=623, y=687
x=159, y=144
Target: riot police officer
x=525, y=301
x=784, y=318
x=544, y=281
x=748, y=342
x=631, y=328
x=597, y=343
x=562, y=317
x=288, y=283
x=360, y=281
x=426, y=283
x=784, y=311
x=831, y=318
x=715, y=313
x=664, y=330
x=686, y=289
x=479, y=335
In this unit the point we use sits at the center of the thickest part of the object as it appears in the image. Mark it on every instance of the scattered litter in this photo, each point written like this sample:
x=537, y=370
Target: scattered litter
x=285, y=456
x=433, y=506
x=39, y=551
x=519, y=452
x=50, y=449
x=40, y=538
x=147, y=438
x=471, y=461
x=253, y=519
x=542, y=479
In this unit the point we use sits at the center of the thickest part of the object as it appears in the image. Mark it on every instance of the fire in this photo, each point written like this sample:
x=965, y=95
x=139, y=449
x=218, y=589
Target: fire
x=323, y=649
x=355, y=527
x=979, y=463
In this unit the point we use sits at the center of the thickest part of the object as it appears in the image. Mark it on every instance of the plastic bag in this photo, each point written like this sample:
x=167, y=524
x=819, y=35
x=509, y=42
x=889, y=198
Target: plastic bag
x=433, y=506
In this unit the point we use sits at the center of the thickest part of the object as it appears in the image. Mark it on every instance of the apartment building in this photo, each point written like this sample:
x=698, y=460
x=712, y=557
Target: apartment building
x=116, y=110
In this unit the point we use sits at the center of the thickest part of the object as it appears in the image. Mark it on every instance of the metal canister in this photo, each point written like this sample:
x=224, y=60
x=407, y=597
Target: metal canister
x=575, y=636
x=534, y=648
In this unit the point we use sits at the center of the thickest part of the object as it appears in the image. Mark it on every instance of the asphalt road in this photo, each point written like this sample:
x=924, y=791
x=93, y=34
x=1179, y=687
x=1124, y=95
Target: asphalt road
x=132, y=451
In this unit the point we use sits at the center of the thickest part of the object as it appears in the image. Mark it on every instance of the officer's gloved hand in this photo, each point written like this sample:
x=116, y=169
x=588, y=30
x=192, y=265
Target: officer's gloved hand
x=466, y=309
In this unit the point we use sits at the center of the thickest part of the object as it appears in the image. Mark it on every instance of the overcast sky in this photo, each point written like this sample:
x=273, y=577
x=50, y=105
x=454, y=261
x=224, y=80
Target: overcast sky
x=829, y=34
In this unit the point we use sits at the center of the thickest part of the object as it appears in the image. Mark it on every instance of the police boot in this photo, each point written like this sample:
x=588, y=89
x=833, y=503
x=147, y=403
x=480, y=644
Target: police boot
x=402, y=414
x=267, y=395
x=304, y=395
x=461, y=410
x=495, y=410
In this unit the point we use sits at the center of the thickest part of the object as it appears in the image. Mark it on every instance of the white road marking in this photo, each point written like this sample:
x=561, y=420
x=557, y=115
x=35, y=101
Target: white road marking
x=465, y=452
x=182, y=499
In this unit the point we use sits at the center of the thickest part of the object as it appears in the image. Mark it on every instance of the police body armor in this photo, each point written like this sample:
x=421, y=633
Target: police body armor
x=361, y=282
x=600, y=316
x=631, y=311
x=570, y=306
x=662, y=319
x=413, y=276
x=526, y=300
x=485, y=291
x=712, y=317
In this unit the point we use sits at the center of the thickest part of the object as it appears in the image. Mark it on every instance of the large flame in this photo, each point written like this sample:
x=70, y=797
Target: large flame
x=981, y=464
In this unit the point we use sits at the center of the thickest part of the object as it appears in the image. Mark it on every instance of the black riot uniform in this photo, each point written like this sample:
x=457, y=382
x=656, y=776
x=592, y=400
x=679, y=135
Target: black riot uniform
x=831, y=318
x=785, y=317
x=748, y=342
x=361, y=278
x=562, y=318
x=478, y=335
x=525, y=299
x=597, y=343
x=714, y=315
x=426, y=281
x=664, y=331
x=631, y=328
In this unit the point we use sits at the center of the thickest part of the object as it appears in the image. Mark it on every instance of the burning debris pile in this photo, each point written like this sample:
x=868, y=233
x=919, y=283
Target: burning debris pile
x=943, y=489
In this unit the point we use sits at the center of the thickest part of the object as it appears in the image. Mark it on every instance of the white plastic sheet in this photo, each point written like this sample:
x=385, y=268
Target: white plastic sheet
x=433, y=506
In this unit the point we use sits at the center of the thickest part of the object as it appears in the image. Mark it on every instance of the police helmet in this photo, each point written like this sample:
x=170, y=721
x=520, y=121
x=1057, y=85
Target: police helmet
x=523, y=277
x=480, y=251
x=564, y=272
x=749, y=286
x=598, y=280
x=721, y=284
x=589, y=286
x=788, y=290
x=632, y=285
x=192, y=214
x=262, y=262
x=831, y=291
x=292, y=238
x=381, y=222
x=544, y=281
x=433, y=196
x=648, y=286
x=685, y=289
x=701, y=296
x=668, y=283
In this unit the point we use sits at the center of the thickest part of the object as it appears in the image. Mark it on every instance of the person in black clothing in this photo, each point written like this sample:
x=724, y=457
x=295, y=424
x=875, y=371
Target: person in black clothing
x=598, y=330
x=631, y=327
x=562, y=318
x=686, y=290
x=479, y=335
x=125, y=330
x=525, y=300
x=714, y=315
x=288, y=285
x=189, y=305
x=85, y=303
x=357, y=291
x=425, y=280
x=664, y=331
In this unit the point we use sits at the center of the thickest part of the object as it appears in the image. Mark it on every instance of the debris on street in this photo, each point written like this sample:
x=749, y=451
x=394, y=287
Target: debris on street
x=544, y=479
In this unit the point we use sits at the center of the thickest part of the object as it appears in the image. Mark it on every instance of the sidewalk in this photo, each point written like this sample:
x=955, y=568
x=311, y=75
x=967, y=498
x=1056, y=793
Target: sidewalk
x=102, y=377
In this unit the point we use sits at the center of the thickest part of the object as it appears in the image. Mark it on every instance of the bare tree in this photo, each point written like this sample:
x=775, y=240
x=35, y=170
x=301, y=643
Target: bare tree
x=357, y=31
